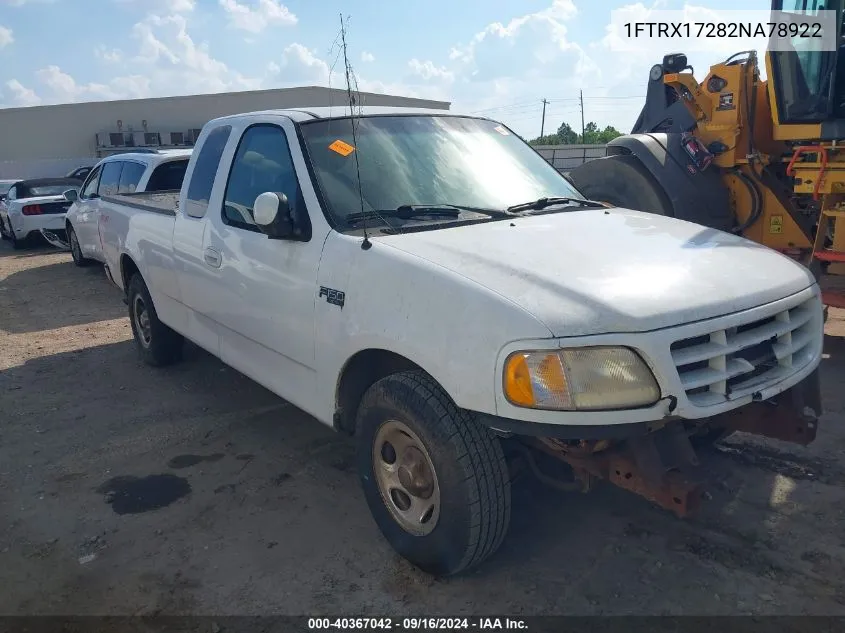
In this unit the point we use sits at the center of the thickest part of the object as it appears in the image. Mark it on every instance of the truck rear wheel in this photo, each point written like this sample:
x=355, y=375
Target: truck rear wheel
x=157, y=344
x=621, y=180
x=435, y=480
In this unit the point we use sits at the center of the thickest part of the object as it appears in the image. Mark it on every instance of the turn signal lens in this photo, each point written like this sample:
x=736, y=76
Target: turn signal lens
x=585, y=379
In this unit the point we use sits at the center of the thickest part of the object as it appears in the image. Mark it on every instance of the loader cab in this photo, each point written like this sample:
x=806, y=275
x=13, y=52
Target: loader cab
x=807, y=83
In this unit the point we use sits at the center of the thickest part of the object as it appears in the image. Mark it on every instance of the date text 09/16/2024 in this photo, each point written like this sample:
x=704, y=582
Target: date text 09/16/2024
x=417, y=624
x=723, y=29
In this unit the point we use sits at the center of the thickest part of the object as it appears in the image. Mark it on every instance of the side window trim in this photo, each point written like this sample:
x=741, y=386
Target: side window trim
x=299, y=195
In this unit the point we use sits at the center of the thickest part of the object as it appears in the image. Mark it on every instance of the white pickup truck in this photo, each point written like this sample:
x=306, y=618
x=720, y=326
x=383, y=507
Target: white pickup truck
x=426, y=282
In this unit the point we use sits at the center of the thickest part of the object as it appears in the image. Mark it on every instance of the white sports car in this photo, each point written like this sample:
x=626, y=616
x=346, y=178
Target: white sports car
x=33, y=206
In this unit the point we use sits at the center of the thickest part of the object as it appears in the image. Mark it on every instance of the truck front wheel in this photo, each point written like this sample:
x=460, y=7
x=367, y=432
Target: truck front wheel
x=157, y=344
x=435, y=480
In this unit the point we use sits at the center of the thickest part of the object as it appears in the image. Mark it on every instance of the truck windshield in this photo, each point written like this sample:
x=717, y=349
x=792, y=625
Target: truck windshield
x=425, y=160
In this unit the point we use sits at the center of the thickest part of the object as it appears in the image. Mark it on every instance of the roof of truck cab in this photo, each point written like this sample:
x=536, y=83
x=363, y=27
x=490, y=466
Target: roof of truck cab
x=337, y=112
x=148, y=158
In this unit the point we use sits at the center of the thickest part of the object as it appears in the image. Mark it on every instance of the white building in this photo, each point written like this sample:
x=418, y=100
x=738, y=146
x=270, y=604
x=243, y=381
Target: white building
x=53, y=140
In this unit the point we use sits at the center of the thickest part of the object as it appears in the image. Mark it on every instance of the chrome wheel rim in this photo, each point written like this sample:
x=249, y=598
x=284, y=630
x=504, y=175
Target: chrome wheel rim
x=141, y=317
x=406, y=478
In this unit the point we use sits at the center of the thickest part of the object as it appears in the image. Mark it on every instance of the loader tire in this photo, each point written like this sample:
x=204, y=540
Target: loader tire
x=622, y=181
x=157, y=344
x=407, y=422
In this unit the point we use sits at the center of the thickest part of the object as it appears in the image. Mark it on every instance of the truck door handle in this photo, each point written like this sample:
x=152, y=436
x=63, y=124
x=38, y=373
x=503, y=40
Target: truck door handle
x=212, y=258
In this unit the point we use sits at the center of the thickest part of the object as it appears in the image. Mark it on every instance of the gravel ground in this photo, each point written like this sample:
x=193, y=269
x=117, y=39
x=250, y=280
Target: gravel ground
x=130, y=490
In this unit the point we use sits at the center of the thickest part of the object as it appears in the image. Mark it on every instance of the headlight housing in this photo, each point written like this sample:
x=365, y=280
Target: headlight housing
x=579, y=379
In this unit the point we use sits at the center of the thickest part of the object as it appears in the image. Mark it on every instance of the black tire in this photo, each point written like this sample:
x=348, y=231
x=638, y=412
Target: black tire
x=157, y=344
x=470, y=467
x=75, y=251
x=621, y=180
x=17, y=244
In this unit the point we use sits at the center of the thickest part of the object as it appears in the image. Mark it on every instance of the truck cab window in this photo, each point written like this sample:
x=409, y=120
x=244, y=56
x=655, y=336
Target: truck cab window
x=168, y=176
x=202, y=178
x=110, y=178
x=130, y=177
x=91, y=184
x=262, y=163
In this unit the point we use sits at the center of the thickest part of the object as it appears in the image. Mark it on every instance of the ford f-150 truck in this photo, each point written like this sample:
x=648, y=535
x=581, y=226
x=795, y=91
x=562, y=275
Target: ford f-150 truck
x=427, y=283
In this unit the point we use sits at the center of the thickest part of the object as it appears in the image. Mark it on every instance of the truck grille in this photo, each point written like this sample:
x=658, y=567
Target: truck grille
x=732, y=362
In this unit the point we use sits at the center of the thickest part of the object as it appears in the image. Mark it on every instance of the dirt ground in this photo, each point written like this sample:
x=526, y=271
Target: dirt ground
x=130, y=490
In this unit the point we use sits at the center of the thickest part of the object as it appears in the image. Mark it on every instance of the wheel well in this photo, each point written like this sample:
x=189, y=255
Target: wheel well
x=127, y=269
x=360, y=372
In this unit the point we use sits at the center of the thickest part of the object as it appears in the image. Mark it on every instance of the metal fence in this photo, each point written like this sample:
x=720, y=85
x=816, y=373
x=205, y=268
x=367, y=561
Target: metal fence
x=567, y=157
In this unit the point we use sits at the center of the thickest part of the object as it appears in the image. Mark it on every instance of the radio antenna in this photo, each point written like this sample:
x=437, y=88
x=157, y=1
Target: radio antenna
x=350, y=82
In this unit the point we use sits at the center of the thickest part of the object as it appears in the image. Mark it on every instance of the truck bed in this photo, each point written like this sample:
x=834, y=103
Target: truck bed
x=164, y=202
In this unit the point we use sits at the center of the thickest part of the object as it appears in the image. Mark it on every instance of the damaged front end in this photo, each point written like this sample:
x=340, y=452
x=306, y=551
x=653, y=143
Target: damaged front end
x=57, y=238
x=662, y=465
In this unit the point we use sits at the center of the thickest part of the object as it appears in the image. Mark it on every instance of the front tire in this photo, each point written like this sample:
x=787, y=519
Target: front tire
x=157, y=344
x=75, y=249
x=435, y=480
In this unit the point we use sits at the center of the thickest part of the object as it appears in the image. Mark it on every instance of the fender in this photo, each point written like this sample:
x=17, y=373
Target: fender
x=696, y=196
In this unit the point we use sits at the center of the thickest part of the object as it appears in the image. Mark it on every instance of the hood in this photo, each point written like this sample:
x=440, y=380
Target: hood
x=597, y=271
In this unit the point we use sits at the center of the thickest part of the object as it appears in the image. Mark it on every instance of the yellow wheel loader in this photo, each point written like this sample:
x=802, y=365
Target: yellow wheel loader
x=761, y=158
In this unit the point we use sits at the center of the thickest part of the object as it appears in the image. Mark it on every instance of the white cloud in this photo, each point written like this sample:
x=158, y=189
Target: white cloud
x=111, y=55
x=367, y=57
x=299, y=64
x=256, y=18
x=427, y=70
x=6, y=36
x=172, y=6
x=20, y=3
x=21, y=95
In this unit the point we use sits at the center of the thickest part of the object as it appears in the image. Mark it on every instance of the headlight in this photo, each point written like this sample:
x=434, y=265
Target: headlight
x=579, y=379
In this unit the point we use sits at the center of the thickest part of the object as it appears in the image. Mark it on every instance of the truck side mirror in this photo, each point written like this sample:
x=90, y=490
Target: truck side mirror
x=272, y=215
x=71, y=195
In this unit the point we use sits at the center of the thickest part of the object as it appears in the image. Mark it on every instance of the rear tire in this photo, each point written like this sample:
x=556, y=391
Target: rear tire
x=459, y=462
x=621, y=180
x=157, y=344
x=17, y=243
x=75, y=250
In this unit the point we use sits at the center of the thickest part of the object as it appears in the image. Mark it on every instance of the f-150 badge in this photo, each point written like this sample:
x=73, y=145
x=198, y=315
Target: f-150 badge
x=335, y=297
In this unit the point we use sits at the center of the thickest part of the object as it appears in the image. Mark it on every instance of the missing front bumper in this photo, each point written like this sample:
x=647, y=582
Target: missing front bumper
x=662, y=466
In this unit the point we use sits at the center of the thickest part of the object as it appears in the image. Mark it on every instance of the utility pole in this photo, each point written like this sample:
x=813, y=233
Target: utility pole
x=543, y=122
x=582, y=116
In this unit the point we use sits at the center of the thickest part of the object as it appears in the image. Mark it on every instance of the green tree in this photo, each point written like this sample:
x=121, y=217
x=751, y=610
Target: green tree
x=566, y=135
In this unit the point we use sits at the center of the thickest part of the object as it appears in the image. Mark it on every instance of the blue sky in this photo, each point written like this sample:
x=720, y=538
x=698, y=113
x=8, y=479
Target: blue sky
x=495, y=57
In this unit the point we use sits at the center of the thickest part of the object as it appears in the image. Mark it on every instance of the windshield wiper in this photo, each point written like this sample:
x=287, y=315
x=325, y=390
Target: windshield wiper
x=411, y=211
x=542, y=203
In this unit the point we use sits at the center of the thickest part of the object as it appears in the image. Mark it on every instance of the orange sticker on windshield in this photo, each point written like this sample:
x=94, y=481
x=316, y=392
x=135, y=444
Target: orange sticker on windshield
x=341, y=147
x=501, y=130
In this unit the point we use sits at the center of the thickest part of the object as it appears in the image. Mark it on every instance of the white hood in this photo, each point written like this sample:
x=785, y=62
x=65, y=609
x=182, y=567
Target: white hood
x=596, y=271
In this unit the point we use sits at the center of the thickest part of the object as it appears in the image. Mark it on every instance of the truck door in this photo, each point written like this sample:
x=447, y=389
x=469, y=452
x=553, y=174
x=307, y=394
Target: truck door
x=195, y=269
x=265, y=298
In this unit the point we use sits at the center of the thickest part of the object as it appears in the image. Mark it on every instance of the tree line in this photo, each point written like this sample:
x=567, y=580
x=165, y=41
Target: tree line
x=565, y=135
